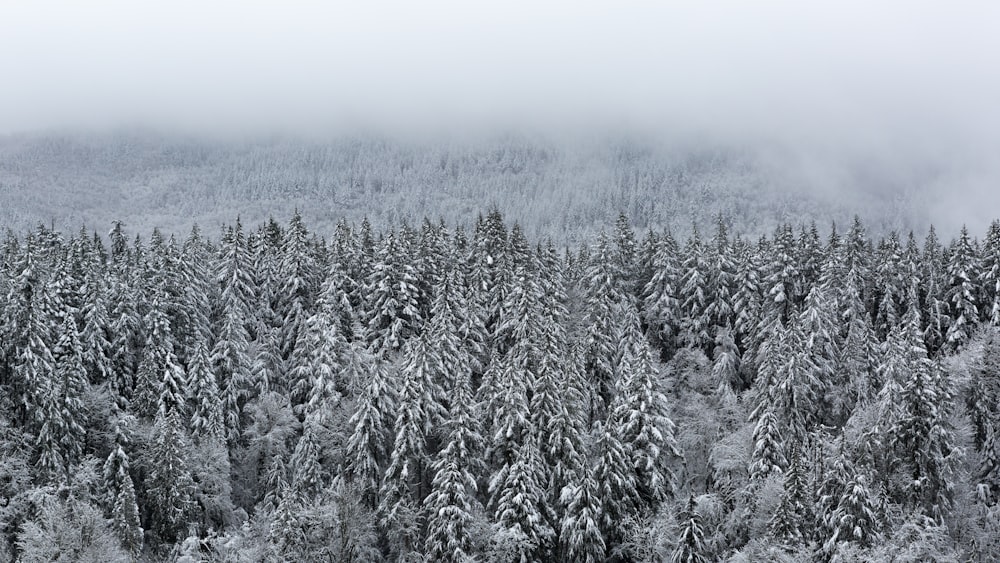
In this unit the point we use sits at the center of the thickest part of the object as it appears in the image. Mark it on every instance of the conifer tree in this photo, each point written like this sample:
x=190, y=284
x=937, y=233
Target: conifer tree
x=450, y=504
x=580, y=532
x=693, y=294
x=169, y=487
x=661, y=308
x=518, y=507
x=207, y=420
x=962, y=295
x=371, y=428
x=307, y=471
x=393, y=300
x=639, y=418
x=989, y=277
x=691, y=539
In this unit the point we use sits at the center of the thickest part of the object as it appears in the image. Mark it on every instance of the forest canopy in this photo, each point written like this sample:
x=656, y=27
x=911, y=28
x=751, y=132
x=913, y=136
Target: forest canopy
x=435, y=392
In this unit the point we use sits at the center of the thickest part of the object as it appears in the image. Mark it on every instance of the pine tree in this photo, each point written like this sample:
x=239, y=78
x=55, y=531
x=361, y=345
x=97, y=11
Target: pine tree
x=661, y=308
x=580, y=532
x=518, y=507
x=206, y=412
x=307, y=471
x=767, y=457
x=691, y=539
x=922, y=437
x=616, y=480
x=791, y=519
x=962, y=292
x=393, y=300
x=719, y=308
x=371, y=427
x=160, y=377
x=989, y=277
x=169, y=487
x=60, y=436
x=231, y=365
x=451, y=500
x=639, y=418
x=604, y=297
x=693, y=294
x=419, y=413
x=297, y=273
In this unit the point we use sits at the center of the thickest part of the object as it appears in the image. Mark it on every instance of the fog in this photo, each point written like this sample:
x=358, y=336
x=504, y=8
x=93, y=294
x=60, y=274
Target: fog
x=906, y=88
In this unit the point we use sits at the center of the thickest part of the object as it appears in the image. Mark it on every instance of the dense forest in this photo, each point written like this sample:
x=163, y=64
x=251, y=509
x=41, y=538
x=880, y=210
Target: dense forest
x=564, y=189
x=449, y=393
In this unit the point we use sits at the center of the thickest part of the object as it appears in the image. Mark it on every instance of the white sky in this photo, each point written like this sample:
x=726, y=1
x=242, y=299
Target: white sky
x=867, y=69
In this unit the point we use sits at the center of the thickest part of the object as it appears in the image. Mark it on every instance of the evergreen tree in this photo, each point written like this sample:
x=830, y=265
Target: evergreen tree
x=169, y=487
x=450, y=504
x=661, y=308
x=371, y=428
x=691, y=539
x=393, y=300
x=207, y=420
x=580, y=532
x=962, y=292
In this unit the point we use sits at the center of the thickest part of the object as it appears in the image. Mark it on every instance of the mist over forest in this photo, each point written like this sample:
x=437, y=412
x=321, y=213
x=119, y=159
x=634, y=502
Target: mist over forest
x=512, y=282
x=554, y=186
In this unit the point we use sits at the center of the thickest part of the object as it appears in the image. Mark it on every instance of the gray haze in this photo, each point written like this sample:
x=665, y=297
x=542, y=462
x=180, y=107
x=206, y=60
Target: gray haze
x=906, y=88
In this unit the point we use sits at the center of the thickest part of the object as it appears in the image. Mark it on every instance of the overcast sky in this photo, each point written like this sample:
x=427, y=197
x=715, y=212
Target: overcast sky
x=910, y=89
x=868, y=68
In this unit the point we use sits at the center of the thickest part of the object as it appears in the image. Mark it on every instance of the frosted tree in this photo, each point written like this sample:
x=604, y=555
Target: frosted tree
x=580, y=534
x=297, y=274
x=61, y=432
x=604, y=297
x=791, y=520
x=518, y=507
x=691, y=537
x=989, y=276
x=661, y=308
x=231, y=365
x=371, y=431
x=451, y=503
x=616, y=479
x=307, y=471
x=767, y=455
x=693, y=293
x=639, y=419
x=169, y=487
x=393, y=300
x=160, y=377
x=419, y=413
x=922, y=436
x=207, y=419
x=962, y=294
x=121, y=493
x=721, y=275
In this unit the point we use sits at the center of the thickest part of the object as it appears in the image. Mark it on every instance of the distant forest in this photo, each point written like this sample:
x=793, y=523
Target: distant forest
x=425, y=392
x=564, y=190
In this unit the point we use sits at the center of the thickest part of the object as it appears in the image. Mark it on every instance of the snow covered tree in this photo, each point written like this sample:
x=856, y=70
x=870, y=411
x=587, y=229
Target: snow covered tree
x=393, y=299
x=207, y=419
x=693, y=294
x=451, y=502
x=580, y=531
x=691, y=538
x=168, y=485
x=371, y=428
x=962, y=294
x=639, y=419
x=922, y=436
x=518, y=505
x=989, y=276
x=661, y=308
